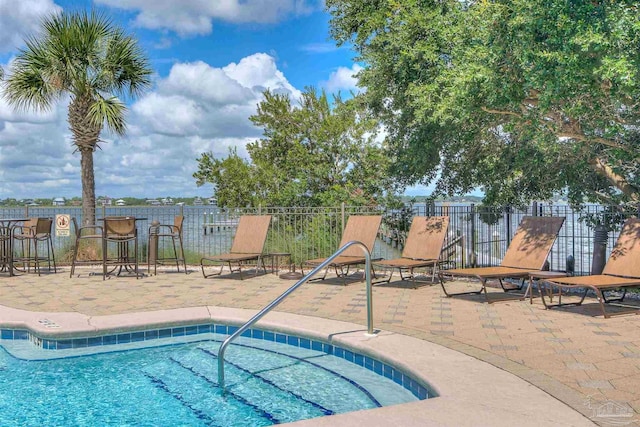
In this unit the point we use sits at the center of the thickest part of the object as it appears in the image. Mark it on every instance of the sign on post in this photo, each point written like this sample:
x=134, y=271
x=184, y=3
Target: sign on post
x=63, y=225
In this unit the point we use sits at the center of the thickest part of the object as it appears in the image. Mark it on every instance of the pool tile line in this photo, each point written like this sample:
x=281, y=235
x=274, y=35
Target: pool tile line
x=332, y=372
x=264, y=414
x=158, y=383
x=324, y=410
x=399, y=377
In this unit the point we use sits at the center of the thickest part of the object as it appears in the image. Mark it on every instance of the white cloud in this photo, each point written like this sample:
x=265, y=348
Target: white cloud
x=343, y=79
x=21, y=18
x=259, y=72
x=194, y=17
x=199, y=100
x=31, y=156
x=201, y=81
x=194, y=109
x=169, y=115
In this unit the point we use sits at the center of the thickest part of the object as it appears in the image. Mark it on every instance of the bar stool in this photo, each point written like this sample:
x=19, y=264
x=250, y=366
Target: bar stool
x=160, y=232
x=87, y=233
x=122, y=232
x=6, y=255
x=33, y=233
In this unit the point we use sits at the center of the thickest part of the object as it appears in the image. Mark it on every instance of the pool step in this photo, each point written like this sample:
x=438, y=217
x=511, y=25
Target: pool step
x=203, y=398
x=276, y=385
x=285, y=367
x=282, y=405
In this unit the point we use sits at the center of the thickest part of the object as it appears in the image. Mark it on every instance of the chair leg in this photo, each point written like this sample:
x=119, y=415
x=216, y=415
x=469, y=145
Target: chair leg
x=175, y=252
x=135, y=254
x=204, y=274
x=104, y=259
x=25, y=255
x=450, y=294
x=53, y=256
x=73, y=259
x=388, y=279
x=184, y=260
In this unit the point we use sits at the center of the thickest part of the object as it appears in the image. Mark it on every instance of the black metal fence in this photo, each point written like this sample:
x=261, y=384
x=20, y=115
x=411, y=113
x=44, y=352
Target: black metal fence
x=479, y=235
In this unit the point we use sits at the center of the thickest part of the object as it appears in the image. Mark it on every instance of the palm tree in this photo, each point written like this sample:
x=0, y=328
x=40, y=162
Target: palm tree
x=86, y=56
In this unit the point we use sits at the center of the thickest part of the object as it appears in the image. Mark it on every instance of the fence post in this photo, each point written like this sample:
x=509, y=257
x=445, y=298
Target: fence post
x=508, y=224
x=342, y=217
x=600, y=237
x=152, y=249
x=463, y=249
x=26, y=211
x=472, y=249
x=430, y=208
x=534, y=208
x=570, y=265
x=495, y=246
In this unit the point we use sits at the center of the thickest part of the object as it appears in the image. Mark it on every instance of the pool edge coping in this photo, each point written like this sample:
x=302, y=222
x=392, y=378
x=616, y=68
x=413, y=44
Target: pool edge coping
x=345, y=334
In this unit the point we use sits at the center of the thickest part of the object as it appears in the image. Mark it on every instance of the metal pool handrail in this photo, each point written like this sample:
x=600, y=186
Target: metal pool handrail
x=299, y=283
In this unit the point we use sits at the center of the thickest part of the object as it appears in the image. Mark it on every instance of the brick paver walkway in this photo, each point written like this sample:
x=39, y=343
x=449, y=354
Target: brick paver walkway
x=570, y=353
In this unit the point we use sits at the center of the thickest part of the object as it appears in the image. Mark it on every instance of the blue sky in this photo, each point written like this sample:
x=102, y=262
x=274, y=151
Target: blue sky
x=212, y=61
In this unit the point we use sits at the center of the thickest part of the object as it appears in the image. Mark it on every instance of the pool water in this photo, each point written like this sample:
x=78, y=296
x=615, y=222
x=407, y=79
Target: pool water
x=267, y=383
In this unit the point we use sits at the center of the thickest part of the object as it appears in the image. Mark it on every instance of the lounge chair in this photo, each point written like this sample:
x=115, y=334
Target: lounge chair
x=422, y=247
x=361, y=228
x=248, y=245
x=621, y=272
x=526, y=253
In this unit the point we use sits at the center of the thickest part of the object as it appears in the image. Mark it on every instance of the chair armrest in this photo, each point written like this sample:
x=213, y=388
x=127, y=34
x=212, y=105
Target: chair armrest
x=165, y=228
x=95, y=230
x=23, y=230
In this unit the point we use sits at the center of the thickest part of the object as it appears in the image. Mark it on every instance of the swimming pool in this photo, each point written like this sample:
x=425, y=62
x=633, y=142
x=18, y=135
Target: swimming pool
x=271, y=378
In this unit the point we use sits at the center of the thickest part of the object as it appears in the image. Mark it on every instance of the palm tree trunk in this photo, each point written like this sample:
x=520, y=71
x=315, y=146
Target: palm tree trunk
x=85, y=136
x=88, y=187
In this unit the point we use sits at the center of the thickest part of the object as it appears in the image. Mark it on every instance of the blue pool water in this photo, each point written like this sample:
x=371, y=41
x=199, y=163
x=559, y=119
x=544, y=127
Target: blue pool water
x=175, y=385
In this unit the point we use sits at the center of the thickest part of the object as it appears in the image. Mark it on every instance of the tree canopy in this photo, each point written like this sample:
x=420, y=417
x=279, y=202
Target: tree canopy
x=313, y=153
x=523, y=98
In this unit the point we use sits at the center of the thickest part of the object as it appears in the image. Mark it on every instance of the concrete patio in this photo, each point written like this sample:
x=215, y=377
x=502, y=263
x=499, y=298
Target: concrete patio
x=573, y=354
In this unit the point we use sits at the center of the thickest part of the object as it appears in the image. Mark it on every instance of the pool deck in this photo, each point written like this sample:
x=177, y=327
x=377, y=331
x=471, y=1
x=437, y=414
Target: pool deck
x=588, y=363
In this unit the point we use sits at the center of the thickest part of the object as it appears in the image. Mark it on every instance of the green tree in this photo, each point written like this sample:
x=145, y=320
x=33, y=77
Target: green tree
x=232, y=178
x=524, y=98
x=86, y=56
x=313, y=153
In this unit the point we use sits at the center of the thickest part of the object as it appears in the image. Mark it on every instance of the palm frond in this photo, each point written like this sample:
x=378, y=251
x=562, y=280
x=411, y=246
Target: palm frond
x=82, y=54
x=29, y=88
x=125, y=67
x=109, y=111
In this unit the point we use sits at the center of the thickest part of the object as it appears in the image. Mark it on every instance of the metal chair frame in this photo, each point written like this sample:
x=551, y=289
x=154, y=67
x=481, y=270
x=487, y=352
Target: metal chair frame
x=157, y=233
x=121, y=231
x=34, y=232
x=88, y=233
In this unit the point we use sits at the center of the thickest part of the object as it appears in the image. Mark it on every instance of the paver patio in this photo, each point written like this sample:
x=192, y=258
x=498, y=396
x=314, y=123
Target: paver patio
x=572, y=354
